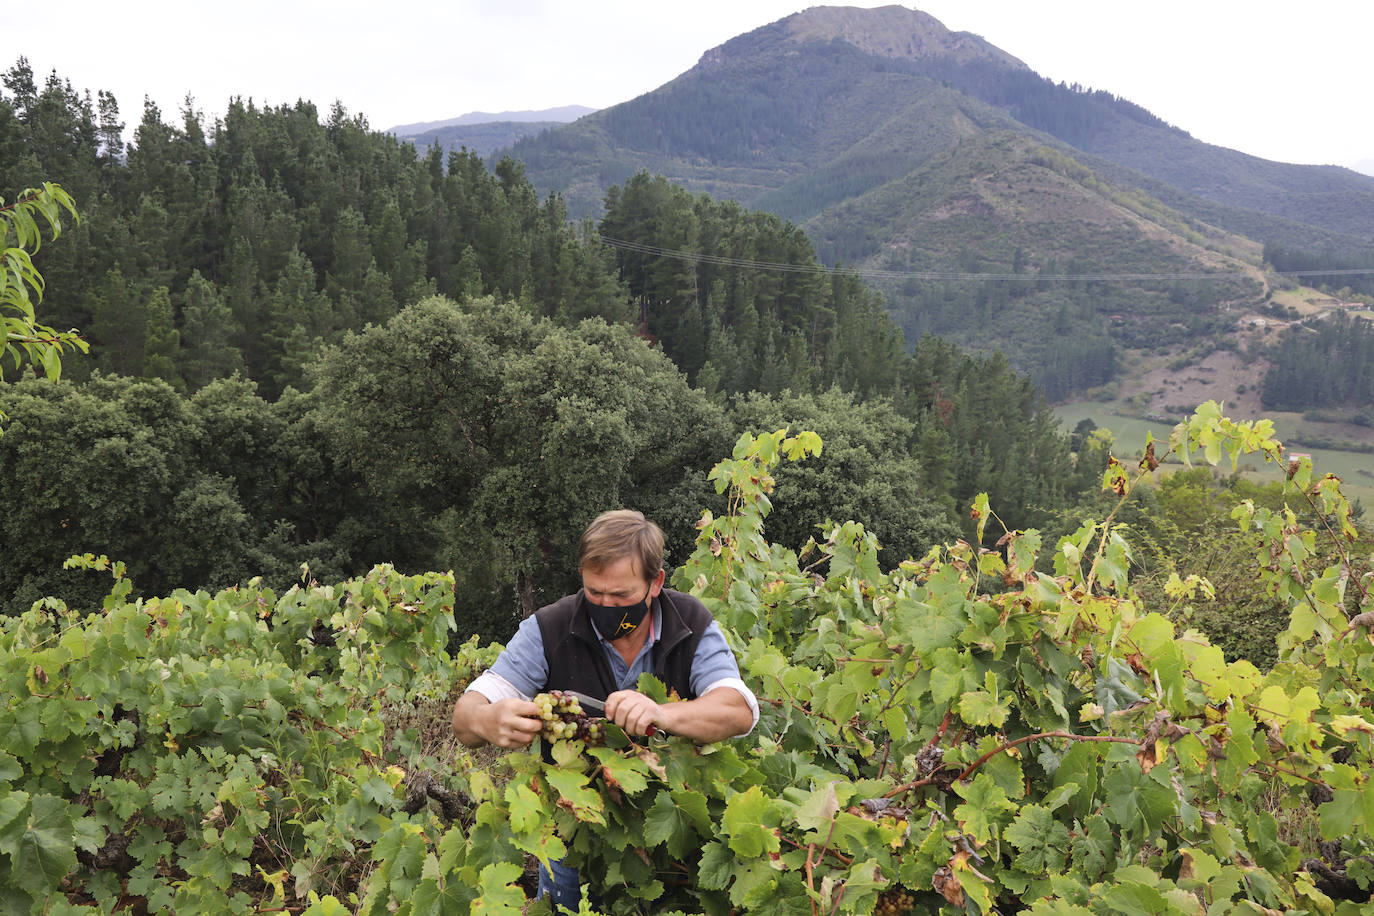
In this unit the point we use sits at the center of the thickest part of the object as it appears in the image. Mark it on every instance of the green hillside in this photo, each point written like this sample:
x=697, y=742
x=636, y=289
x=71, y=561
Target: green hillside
x=902, y=147
x=1000, y=203
x=857, y=95
x=765, y=123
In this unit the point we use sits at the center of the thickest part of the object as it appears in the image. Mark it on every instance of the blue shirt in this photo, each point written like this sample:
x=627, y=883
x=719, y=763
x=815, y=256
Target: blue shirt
x=523, y=663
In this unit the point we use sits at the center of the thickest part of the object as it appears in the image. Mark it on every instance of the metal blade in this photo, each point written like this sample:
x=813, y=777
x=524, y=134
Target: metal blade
x=599, y=706
x=589, y=703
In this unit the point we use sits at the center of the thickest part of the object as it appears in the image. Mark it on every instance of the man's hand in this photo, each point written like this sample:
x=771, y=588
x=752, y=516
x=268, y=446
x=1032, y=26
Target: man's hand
x=509, y=723
x=634, y=712
x=719, y=714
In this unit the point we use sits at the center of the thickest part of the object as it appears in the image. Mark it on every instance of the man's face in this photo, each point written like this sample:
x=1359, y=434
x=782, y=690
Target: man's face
x=619, y=584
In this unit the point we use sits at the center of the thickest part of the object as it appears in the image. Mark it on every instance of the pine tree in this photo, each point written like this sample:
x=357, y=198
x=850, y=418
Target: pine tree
x=118, y=325
x=388, y=236
x=208, y=332
x=352, y=250
x=301, y=317
x=161, y=339
x=377, y=302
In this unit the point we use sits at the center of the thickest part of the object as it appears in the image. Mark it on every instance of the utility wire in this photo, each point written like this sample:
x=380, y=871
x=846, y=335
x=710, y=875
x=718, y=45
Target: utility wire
x=872, y=273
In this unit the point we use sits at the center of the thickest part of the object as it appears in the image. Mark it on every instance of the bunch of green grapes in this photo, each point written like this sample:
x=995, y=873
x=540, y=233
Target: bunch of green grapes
x=896, y=902
x=564, y=719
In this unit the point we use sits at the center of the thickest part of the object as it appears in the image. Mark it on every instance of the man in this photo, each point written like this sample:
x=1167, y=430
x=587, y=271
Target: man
x=598, y=641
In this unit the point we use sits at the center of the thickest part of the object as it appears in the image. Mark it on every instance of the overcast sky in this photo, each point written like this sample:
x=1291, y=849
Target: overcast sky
x=1282, y=80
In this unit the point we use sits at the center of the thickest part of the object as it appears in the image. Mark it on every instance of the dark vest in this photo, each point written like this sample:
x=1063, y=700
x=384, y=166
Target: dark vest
x=578, y=662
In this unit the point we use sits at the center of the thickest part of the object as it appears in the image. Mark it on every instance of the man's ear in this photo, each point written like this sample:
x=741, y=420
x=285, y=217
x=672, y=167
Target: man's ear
x=656, y=586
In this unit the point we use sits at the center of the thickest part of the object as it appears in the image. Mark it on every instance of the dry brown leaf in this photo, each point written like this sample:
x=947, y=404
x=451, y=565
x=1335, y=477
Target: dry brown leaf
x=947, y=886
x=652, y=762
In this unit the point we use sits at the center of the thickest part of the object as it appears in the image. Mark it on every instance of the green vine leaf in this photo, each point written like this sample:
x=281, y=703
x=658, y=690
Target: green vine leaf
x=665, y=824
x=747, y=820
x=1043, y=842
x=717, y=866
x=38, y=840
x=984, y=803
x=497, y=893
x=985, y=707
x=575, y=795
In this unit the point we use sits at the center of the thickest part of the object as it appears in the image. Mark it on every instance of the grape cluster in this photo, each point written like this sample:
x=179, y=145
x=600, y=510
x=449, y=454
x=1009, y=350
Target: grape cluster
x=564, y=719
x=896, y=902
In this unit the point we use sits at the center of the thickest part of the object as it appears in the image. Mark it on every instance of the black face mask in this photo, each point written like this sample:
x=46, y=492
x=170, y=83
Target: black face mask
x=615, y=622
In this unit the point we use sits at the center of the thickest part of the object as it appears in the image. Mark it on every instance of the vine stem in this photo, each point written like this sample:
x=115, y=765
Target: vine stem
x=1011, y=744
x=1335, y=540
x=928, y=780
x=940, y=732
x=934, y=740
x=42, y=340
x=839, y=898
x=1255, y=707
x=810, y=879
x=898, y=688
x=1296, y=775
x=1091, y=577
x=840, y=857
x=910, y=786
x=825, y=847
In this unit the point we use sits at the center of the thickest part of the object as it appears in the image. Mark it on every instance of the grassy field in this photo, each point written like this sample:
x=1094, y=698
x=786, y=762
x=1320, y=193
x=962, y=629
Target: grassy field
x=1355, y=469
x=1300, y=299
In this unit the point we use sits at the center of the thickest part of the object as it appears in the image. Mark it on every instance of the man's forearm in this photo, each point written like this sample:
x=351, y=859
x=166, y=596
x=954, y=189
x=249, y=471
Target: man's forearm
x=510, y=722
x=722, y=713
x=467, y=713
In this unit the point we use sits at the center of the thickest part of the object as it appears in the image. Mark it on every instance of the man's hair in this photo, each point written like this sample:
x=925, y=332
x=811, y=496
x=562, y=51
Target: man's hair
x=613, y=536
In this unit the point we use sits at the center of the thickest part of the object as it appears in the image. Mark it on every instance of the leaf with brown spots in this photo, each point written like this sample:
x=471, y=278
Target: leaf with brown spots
x=1149, y=462
x=947, y=886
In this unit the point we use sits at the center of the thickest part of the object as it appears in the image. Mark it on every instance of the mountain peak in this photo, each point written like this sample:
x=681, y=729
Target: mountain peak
x=891, y=31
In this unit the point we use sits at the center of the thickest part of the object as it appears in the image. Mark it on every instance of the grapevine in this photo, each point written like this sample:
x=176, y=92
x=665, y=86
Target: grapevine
x=1057, y=747
x=199, y=753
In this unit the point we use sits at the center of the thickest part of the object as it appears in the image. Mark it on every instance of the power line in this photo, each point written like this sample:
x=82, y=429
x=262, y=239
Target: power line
x=957, y=276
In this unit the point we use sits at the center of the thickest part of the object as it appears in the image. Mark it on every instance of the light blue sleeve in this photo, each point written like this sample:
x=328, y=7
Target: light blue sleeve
x=523, y=662
x=713, y=660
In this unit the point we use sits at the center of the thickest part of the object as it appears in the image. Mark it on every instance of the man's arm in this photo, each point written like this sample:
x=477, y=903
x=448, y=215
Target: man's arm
x=494, y=710
x=510, y=723
x=719, y=714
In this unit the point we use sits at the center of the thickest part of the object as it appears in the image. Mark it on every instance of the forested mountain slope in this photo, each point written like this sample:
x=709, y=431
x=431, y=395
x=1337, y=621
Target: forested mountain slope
x=900, y=146
x=1003, y=205
x=831, y=82
x=755, y=117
